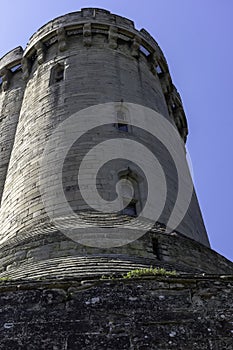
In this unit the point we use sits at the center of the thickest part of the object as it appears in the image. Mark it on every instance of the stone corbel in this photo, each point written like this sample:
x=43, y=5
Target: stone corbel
x=177, y=121
x=6, y=75
x=170, y=110
x=40, y=50
x=153, y=62
x=26, y=66
x=184, y=134
x=173, y=107
x=180, y=122
x=62, y=40
x=112, y=37
x=164, y=81
x=135, y=47
x=87, y=39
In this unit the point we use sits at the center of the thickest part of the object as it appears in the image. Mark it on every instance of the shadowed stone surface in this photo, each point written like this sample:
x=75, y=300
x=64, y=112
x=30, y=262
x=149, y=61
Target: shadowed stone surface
x=55, y=256
x=186, y=312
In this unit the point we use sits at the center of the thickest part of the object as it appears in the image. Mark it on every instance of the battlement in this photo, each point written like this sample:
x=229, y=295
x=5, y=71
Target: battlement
x=12, y=58
x=10, y=63
x=88, y=23
x=74, y=18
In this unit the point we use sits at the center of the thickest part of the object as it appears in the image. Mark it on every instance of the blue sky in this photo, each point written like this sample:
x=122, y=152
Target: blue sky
x=196, y=38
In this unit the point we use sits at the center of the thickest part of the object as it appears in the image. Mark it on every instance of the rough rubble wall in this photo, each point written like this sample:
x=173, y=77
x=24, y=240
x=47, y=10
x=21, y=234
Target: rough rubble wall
x=146, y=314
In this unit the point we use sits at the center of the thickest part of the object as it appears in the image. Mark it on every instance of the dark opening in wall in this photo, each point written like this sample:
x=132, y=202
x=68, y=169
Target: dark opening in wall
x=130, y=209
x=144, y=51
x=122, y=120
x=159, y=70
x=156, y=249
x=122, y=127
x=57, y=73
x=16, y=68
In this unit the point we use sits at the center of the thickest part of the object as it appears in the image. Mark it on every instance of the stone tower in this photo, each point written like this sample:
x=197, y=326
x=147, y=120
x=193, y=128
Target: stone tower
x=85, y=61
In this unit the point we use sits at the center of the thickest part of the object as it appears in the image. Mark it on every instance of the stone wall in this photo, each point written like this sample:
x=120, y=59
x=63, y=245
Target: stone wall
x=52, y=292
x=55, y=256
x=11, y=96
x=149, y=313
x=104, y=59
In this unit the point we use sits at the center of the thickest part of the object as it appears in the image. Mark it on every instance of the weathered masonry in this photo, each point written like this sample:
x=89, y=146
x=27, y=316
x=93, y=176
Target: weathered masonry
x=76, y=61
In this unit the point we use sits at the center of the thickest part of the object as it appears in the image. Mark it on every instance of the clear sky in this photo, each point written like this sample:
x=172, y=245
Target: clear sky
x=196, y=38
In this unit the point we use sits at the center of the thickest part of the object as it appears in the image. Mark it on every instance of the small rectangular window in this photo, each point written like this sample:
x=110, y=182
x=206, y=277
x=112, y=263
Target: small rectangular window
x=57, y=73
x=144, y=50
x=122, y=127
x=158, y=69
x=15, y=68
x=59, y=76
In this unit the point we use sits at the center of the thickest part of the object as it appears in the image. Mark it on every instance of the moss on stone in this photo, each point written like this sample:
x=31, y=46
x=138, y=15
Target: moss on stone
x=151, y=271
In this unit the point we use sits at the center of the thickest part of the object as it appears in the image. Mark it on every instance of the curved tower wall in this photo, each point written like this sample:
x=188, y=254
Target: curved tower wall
x=104, y=59
x=11, y=95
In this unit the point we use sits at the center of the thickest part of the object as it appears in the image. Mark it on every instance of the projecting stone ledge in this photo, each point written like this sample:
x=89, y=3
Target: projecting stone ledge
x=56, y=256
x=162, y=313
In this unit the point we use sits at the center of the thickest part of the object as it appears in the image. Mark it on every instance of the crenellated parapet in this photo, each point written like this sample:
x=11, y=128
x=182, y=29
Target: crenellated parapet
x=9, y=64
x=12, y=58
x=116, y=31
x=176, y=110
x=88, y=23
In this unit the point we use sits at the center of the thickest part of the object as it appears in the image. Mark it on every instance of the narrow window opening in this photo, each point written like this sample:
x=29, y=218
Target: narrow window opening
x=144, y=51
x=156, y=249
x=122, y=120
x=16, y=68
x=122, y=127
x=159, y=70
x=57, y=74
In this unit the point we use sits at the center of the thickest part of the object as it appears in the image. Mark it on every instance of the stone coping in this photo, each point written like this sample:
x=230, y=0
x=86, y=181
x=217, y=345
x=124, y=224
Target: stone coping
x=12, y=58
x=93, y=15
x=178, y=281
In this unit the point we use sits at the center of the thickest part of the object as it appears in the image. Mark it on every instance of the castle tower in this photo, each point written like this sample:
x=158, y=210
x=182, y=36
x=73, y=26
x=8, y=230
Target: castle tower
x=94, y=183
x=77, y=61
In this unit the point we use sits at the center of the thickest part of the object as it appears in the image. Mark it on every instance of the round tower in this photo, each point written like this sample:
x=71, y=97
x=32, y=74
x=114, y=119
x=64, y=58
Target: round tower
x=77, y=61
x=11, y=95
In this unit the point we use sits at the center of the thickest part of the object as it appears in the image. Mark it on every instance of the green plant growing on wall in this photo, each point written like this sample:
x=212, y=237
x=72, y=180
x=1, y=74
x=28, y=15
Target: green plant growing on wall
x=151, y=271
x=4, y=279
